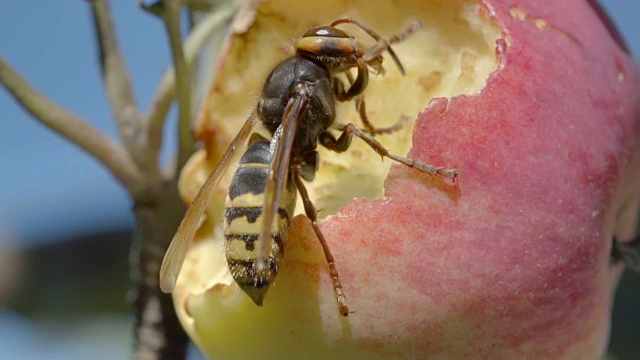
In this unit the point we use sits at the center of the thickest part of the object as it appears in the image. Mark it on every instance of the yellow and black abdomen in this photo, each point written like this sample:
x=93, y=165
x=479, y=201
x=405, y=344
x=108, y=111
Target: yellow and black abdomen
x=243, y=215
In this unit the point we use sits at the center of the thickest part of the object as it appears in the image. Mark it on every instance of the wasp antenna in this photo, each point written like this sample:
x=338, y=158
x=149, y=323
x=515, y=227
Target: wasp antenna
x=412, y=28
x=396, y=60
x=385, y=44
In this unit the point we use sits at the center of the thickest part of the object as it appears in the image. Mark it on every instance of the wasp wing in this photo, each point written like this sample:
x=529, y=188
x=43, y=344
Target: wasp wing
x=177, y=250
x=282, y=145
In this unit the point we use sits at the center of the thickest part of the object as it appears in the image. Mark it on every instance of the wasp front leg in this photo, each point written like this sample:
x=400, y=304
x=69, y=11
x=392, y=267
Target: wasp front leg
x=339, y=91
x=357, y=86
x=349, y=130
x=362, y=111
x=312, y=214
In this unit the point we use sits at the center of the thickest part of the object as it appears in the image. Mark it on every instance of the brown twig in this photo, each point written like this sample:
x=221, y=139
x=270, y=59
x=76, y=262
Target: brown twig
x=118, y=86
x=73, y=128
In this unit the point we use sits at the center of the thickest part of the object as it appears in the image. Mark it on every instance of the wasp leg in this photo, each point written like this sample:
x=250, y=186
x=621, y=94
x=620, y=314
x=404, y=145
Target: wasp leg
x=362, y=110
x=381, y=43
x=357, y=86
x=338, y=85
x=312, y=214
x=349, y=130
x=627, y=252
x=339, y=90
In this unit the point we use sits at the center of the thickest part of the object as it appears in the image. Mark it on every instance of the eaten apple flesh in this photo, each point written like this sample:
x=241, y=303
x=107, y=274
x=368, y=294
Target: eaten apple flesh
x=535, y=103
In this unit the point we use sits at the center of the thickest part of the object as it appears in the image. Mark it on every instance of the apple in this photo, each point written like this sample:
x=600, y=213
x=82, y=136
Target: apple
x=535, y=103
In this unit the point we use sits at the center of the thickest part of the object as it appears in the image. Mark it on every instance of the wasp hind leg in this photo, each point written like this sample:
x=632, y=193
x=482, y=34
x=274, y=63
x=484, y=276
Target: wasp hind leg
x=627, y=252
x=312, y=214
x=344, y=141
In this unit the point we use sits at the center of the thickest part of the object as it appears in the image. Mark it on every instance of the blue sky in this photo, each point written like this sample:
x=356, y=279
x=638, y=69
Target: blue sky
x=49, y=189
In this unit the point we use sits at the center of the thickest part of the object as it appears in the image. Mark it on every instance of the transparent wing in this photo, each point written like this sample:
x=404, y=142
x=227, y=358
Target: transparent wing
x=177, y=250
x=278, y=169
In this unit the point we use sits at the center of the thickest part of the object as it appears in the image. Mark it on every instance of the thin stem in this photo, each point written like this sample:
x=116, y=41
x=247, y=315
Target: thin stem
x=166, y=92
x=186, y=140
x=115, y=75
x=73, y=128
x=119, y=90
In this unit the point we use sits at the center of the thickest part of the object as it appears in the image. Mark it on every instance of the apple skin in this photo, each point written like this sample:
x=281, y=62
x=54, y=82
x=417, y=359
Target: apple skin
x=515, y=261
x=511, y=261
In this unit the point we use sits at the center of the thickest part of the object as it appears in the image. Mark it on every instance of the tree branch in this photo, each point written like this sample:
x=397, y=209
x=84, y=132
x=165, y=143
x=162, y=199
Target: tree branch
x=158, y=332
x=73, y=128
x=118, y=87
x=166, y=91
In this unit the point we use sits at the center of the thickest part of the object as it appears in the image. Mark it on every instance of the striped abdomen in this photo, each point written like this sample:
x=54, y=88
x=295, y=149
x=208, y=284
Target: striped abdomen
x=243, y=216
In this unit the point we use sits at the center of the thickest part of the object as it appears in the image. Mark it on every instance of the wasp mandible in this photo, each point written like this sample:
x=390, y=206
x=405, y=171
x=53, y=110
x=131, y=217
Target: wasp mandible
x=297, y=108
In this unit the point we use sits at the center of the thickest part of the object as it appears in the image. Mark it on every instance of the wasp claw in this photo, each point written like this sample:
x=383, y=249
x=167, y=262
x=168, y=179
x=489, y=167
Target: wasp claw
x=627, y=252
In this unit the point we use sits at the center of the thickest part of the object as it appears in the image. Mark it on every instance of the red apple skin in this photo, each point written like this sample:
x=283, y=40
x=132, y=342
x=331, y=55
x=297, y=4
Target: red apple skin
x=513, y=261
x=510, y=262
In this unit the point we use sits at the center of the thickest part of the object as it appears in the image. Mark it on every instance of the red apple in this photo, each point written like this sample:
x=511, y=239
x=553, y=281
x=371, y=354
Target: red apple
x=534, y=102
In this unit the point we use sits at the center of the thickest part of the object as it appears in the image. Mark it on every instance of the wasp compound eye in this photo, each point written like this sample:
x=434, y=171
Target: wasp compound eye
x=326, y=31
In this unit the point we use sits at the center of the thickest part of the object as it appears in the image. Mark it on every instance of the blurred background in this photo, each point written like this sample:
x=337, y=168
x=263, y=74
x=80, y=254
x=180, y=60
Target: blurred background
x=65, y=223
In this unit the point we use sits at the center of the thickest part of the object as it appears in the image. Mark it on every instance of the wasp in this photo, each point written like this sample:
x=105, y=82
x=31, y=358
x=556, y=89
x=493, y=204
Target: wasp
x=296, y=110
